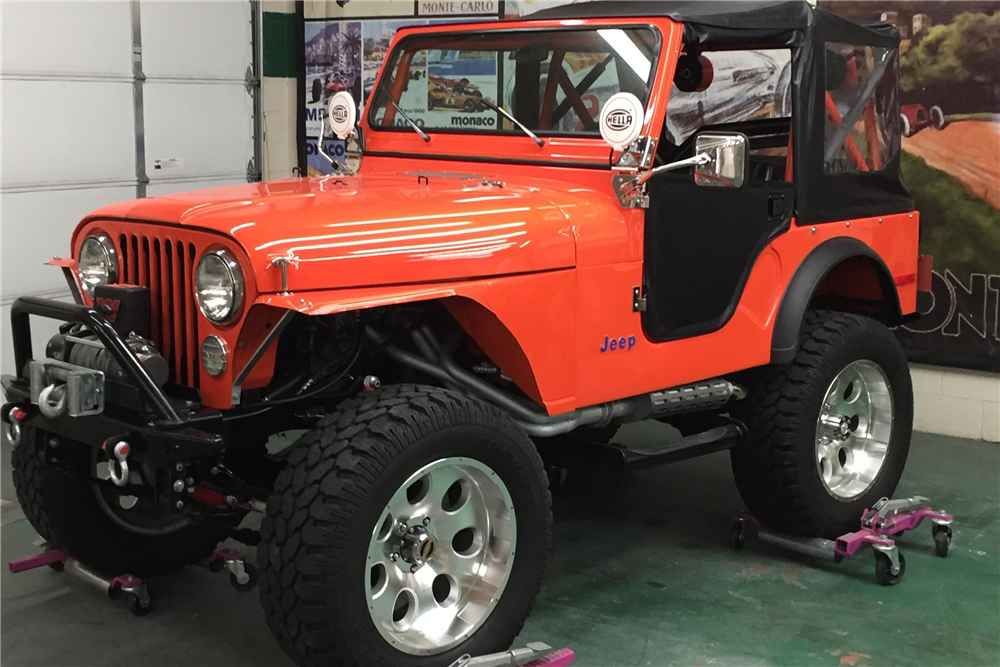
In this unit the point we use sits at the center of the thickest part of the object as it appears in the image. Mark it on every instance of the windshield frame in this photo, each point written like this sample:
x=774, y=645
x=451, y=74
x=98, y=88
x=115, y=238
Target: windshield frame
x=420, y=33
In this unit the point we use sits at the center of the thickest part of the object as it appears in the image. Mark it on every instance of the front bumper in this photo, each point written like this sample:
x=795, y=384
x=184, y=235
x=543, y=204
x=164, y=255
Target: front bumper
x=161, y=431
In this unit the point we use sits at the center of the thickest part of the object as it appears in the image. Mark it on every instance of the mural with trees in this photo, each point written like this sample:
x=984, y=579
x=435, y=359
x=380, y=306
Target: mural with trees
x=950, y=104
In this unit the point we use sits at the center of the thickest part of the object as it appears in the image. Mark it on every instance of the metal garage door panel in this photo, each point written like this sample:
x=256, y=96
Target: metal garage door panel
x=206, y=128
x=170, y=187
x=37, y=226
x=41, y=331
x=77, y=37
x=196, y=39
x=66, y=131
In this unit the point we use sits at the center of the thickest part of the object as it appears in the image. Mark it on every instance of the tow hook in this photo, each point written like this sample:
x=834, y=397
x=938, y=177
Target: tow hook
x=52, y=400
x=118, y=466
x=13, y=420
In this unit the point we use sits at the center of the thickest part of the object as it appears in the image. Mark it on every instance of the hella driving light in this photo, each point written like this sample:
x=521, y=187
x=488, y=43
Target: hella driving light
x=98, y=263
x=214, y=355
x=218, y=285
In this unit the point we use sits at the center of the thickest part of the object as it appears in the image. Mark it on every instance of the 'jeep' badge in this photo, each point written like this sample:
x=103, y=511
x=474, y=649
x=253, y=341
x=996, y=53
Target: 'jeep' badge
x=621, y=120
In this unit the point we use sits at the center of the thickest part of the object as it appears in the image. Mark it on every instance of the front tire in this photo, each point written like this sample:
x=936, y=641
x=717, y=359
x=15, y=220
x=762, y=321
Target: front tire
x=345, y=525
x=828, y=434
x=65, y=508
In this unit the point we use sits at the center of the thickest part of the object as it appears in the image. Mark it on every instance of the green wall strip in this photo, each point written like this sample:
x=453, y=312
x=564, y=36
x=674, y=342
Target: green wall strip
x=279, y=44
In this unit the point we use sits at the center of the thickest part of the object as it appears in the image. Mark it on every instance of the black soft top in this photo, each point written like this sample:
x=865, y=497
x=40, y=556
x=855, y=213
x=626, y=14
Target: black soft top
x=735, y=20
x=806, y=30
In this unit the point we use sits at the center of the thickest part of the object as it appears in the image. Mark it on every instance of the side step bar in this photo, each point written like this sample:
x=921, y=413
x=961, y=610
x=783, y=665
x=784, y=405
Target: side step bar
x=585, y=460
x=708, y=442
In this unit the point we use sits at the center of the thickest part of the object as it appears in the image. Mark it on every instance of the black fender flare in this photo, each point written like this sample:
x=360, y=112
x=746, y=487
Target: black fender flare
x=807, y=278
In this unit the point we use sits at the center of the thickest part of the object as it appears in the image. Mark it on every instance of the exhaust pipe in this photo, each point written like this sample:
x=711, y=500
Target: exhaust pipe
x=532, y=417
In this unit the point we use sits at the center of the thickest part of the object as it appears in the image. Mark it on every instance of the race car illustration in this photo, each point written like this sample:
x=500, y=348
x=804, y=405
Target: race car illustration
x=442, y=98
x=914, y=117
x=457, y=86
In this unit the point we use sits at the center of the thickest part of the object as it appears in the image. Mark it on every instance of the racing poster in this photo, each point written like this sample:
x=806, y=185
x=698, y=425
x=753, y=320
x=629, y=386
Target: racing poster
x=346, y=44
x=950, y=103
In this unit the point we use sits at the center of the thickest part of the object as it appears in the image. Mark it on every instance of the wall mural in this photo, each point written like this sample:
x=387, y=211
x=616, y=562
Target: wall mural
x=950, y=104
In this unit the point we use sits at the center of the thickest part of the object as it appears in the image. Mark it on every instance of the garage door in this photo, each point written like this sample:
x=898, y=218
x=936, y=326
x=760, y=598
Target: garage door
x=81, y=130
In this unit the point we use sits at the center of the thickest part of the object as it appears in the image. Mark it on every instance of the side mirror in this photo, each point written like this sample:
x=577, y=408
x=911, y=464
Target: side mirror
x=725, y=162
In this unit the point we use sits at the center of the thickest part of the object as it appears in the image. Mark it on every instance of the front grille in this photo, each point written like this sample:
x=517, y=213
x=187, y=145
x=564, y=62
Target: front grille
x=165, y=264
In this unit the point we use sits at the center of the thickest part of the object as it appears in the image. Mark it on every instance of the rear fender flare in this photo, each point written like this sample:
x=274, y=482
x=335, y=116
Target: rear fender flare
x=808, y=277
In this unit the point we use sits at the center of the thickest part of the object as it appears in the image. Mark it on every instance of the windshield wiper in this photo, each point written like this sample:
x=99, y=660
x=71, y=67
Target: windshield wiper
x=538, y=140
x=416, y=128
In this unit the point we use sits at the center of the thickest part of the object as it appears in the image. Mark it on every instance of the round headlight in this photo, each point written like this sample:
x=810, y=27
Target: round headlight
x=218, y=285
x=98, y=262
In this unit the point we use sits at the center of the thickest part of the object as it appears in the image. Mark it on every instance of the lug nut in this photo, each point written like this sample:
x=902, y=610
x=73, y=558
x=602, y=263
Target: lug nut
x=394, y=557
x=179, y=505
x=427, y=521
x=179, y=485
x=190, y=481
x=414, y=568
x=179, y=467
x=402, y=527
x=53, y=443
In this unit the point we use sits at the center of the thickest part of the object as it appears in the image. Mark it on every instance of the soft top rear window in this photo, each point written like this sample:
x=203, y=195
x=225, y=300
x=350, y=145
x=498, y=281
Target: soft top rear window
x=552, y=81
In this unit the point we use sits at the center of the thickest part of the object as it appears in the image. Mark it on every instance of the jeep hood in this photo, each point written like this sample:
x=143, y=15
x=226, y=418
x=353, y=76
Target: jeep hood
x=376, y=229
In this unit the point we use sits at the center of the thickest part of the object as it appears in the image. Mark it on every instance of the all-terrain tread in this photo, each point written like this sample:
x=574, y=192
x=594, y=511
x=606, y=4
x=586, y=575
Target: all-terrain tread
x=322, y=488
x=776, y=412
x=63, y=510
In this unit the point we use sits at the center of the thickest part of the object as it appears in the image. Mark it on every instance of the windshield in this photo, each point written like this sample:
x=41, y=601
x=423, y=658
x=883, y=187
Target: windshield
x=551, y=81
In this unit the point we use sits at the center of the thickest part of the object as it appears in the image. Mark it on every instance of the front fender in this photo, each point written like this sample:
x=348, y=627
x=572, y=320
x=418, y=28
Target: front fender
x=522, y=322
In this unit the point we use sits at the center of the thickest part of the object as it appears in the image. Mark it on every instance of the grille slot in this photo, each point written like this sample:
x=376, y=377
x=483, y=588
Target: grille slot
x=165, y=265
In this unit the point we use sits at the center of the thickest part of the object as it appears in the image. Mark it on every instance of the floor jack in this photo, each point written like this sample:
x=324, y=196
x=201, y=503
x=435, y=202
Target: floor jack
x=129, y=588
x=535, y=654
x=885, y=519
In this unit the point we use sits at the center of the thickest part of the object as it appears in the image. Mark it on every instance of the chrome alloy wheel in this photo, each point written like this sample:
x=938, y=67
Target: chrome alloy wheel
x=853, y=430
x=440, y=556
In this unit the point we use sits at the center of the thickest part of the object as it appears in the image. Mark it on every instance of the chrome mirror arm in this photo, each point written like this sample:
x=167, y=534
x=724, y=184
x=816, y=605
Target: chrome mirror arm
x=697, y=160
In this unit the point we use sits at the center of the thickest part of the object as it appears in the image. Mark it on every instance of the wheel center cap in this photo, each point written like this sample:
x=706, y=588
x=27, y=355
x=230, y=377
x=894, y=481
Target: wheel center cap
x=417, y=545
x=839, y=425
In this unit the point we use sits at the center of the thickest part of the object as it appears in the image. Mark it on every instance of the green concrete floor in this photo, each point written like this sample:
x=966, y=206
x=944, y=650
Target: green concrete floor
x=639, y=575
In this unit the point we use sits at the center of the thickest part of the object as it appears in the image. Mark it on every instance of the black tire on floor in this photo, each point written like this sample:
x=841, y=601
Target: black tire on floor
x=775, y=468
x=883, y=569
x=942, y=540
x=339, y=476
x=64, y=510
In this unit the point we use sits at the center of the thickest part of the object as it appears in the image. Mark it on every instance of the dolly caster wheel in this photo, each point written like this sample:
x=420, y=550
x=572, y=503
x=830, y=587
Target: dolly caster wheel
x=251, y=578
x=942, y=540
x=137, y=606
x=737, y=535
x=883, y=570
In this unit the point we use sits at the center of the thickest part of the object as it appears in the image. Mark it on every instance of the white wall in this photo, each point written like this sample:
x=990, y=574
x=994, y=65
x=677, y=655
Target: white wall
x=956, y=402
x=68, y=122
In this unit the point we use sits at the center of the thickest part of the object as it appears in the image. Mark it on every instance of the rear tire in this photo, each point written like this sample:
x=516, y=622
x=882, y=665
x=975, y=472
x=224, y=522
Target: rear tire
x=777, y=468
x=337, y=499
x=65, y=511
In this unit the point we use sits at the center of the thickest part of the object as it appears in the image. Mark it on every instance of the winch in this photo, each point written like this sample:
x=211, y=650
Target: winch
x=70, y=380
x=82, y=348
